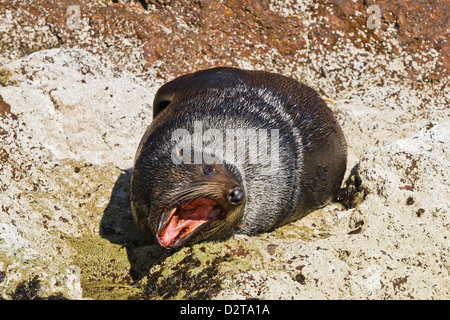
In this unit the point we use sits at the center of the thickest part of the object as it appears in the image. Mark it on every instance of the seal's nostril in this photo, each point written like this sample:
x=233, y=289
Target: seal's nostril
x=236, y=196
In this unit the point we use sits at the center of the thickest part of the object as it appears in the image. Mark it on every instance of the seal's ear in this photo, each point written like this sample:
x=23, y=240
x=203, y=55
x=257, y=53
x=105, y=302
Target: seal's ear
x=162, y=100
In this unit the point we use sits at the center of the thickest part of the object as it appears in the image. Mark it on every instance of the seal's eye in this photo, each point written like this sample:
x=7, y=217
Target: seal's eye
x=208, y=170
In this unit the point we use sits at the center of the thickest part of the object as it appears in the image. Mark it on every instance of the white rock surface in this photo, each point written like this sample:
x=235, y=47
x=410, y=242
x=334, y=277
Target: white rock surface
x=79, y=119
x=76, y=105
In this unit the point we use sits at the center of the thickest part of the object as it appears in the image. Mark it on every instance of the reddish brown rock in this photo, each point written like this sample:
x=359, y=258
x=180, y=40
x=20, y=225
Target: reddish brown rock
x=420, y=26
x=183, y=36
x=5, y=110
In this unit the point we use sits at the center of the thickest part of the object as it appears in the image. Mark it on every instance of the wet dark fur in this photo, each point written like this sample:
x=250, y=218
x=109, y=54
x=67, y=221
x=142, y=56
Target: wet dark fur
x=312, y=148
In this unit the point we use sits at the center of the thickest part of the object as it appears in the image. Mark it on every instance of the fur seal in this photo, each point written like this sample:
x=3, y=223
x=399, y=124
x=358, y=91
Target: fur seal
x=177, y=201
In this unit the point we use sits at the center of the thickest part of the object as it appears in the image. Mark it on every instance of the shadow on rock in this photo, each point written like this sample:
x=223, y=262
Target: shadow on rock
x=118, y=226
x=354, y=192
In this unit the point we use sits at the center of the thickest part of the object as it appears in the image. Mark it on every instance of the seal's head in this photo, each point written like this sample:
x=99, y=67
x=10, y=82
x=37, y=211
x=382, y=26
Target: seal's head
x=180, y=204
x=209, y=203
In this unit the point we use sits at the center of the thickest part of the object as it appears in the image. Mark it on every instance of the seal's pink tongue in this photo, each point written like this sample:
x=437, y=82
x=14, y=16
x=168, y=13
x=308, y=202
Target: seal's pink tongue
x=185, y=219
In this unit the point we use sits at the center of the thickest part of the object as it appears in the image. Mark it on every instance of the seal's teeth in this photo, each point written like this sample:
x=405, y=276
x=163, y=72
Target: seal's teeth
x=165, y=219
x=180, y=235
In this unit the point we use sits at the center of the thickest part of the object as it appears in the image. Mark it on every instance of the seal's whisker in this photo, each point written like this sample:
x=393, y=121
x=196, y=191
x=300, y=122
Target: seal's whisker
x=212, y=189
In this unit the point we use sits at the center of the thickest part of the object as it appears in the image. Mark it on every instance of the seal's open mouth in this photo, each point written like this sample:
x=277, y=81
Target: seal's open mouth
x=177, y=225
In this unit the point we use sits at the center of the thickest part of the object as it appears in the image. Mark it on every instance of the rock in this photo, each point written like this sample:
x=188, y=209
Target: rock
x=28, y=252
x=57, y=169
x=331, y=38
x=75, y=99
x=401, y=172
x=78, y=95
